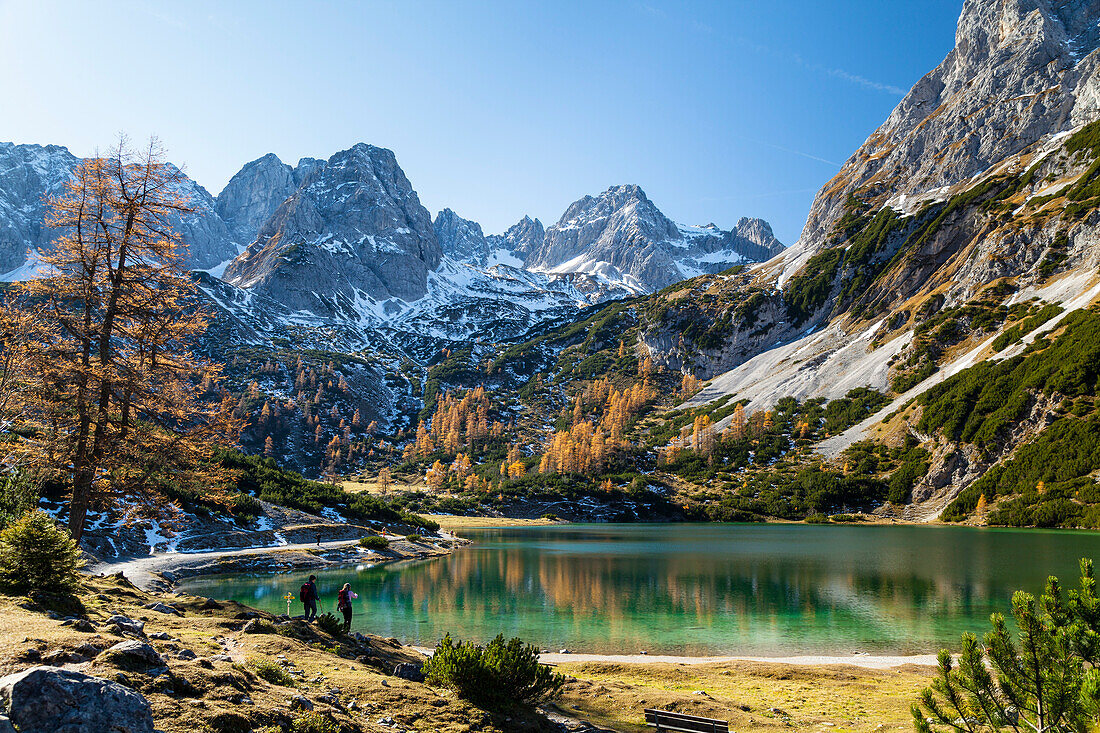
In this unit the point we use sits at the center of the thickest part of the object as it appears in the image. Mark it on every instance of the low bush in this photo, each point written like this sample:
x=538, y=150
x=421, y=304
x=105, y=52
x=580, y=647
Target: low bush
x=37, y=555
x=374, y=542
x=313, y=723
x=271, y=672
x=330, y=624
x=497, y=675
x=244, y=506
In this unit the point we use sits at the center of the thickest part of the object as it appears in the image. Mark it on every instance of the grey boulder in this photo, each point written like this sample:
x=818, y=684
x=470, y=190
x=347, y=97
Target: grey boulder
x=127, y=625
x=137, y=653
x=49, y=700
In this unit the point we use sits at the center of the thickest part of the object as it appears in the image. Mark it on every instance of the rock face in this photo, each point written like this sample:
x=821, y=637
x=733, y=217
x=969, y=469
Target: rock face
x=461, y=239
x=203, y=231
x=49, y=700
x=28, y=174
x=354, y=228
x=520, y=239
x=255, y=192
x=622, y=235
x=1020, y=70
x=31, y=173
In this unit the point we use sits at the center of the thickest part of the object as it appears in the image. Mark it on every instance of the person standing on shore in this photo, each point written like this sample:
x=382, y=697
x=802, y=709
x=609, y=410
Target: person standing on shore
x=343, y=604
x=308, y=596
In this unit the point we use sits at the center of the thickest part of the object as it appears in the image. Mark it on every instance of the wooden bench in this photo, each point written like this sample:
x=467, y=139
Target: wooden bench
x=668, y=720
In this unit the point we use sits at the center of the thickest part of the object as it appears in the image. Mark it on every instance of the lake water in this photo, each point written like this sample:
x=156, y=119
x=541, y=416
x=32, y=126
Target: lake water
x=698, y=589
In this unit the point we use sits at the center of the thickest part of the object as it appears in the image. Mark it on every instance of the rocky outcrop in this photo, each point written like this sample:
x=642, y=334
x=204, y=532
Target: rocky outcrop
x=1021, y=70
x=521, y=239
x=754, y=239
x=29, y=174
x=621, y=236
x=50, y=700
x=461, y=239
x=207, y=237
x=353, y=229
x=255, y=192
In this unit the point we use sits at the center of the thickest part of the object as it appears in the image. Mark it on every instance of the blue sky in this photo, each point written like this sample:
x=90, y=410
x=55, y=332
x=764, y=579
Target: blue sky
x=495, y=109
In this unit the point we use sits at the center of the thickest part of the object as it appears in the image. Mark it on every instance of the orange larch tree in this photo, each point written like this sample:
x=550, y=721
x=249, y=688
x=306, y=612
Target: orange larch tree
x=114, y=405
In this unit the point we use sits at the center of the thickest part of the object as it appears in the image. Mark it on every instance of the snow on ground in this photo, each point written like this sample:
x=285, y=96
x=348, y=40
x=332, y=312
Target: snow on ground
x=219, y=269
x=32, y=268
x=501, y=256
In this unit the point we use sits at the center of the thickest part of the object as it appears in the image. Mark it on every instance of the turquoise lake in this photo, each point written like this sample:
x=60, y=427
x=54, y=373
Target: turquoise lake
x=696, y=589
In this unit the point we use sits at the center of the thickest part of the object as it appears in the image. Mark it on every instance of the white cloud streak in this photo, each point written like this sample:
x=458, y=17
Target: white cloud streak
x=817, y=68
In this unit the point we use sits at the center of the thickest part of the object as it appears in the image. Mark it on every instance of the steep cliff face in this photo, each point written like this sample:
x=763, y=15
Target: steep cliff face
x=461, y=239
x=29, y=174
x=354, y=229
x=520, y=239
x=1021, y=70
x=255, y=192
x=620, y=236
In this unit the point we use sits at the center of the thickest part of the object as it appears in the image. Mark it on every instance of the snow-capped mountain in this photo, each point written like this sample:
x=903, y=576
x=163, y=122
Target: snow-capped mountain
x=340, y=253
x=31, y=173
x=353, y=231
x=352, y=246
x=461, y=239
x=620, y=238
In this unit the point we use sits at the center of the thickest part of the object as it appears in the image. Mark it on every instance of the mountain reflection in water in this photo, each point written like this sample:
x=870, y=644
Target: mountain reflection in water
x=697, y=589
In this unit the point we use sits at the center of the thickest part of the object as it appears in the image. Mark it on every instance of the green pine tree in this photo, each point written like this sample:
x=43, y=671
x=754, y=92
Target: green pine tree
x=37, y=555
x=18, y=495
x=1043, y=681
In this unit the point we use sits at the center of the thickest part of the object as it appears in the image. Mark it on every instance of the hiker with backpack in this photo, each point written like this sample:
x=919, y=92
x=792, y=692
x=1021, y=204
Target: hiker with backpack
x=308, y=595
x=343, y=604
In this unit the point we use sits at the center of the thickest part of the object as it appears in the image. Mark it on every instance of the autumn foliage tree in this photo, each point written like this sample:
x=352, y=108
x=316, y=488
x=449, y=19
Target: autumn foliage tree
x=109, y=383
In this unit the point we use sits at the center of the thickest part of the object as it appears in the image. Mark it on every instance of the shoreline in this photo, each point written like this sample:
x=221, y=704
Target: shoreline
x=863, y=661
x=161, y=572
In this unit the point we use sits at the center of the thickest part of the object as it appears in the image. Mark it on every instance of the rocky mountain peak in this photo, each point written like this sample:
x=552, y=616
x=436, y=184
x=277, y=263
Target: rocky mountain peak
x=621, y=238
x=756, y=231
x=353, y=228
x=29, y=174
x=1021, y=71
x=520, y=239
x=628, y=200
x=253, y=194
x=461, y=239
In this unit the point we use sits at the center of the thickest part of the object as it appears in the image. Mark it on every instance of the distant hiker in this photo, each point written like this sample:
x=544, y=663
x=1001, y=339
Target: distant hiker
x=343, y=603
x=308, y=595
x=318, y=539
